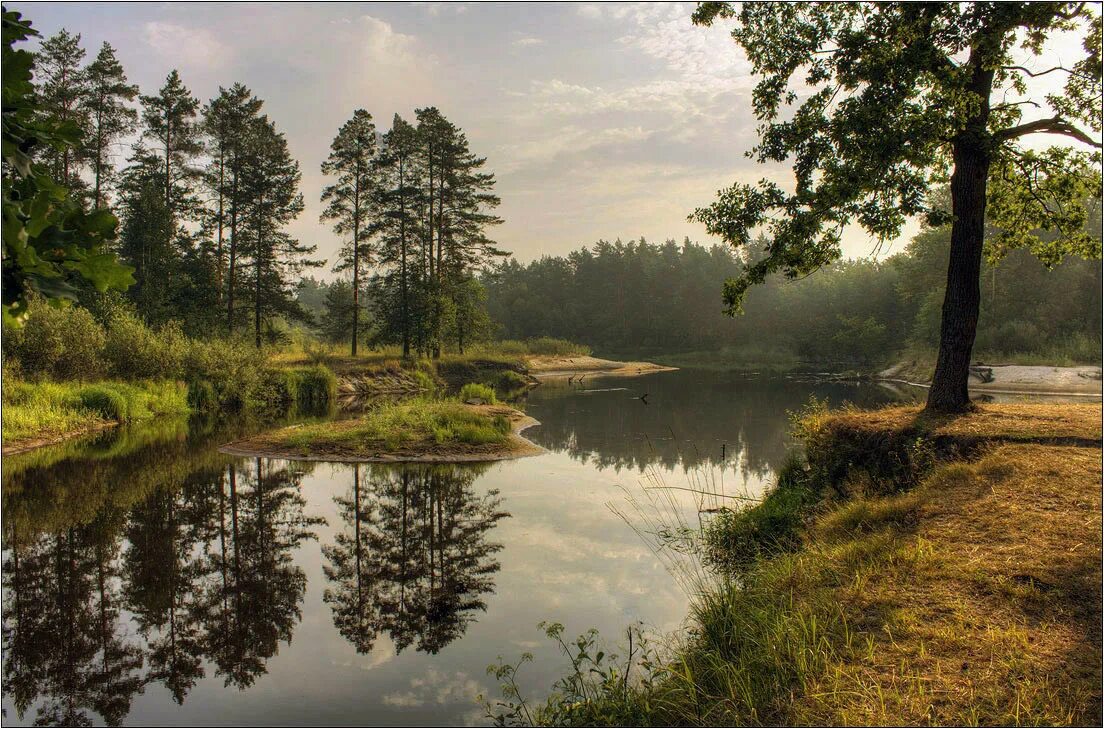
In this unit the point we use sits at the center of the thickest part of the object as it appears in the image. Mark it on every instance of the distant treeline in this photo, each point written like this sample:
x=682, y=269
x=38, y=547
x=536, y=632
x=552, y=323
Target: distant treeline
x=639, y=297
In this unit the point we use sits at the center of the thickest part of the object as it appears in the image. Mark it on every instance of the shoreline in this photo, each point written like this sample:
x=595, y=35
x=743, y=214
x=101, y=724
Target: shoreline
x=544, y=367
x=516, y=446
x=25, y=445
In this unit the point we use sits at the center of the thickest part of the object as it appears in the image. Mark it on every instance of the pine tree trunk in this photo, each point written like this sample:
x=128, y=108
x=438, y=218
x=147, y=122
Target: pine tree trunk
x=356, y=260
x=962, y=300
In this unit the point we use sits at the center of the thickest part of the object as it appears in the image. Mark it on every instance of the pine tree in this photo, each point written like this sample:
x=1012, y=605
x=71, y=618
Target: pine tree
x=109, y=117
x=352, y=161
x=169, y=119
x=146, y=244
x=62, y=85
x=269, y=187
x=398, y=204
x=225, y=121
x=337, y=317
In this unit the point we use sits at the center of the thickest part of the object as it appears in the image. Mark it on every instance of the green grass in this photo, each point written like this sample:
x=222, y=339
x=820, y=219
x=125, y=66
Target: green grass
x=477, y=391
x=394, y=426
x=46, y=409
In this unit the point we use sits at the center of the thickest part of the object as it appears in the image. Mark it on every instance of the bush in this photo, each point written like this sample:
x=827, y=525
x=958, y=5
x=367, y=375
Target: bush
x=317, y=386
x=232, y=367
x=507, y=381
x=477, y=391
x=61, y=343
x=201, y=396
x=133, y=351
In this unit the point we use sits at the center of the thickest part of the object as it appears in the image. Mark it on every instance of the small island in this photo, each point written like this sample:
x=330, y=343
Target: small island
x=412, y=431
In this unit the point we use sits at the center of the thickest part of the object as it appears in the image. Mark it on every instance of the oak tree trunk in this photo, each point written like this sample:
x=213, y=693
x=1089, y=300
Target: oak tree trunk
x=962, y=299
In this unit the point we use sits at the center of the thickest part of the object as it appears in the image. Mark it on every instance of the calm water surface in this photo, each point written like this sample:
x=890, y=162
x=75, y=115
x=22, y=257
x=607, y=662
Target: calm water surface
x=150, y=580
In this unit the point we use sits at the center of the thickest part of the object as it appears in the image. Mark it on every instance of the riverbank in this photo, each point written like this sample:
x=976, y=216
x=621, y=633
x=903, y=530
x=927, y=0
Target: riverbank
x=44, y=413
x=413, y=431
x=909, y=570
x=549, y=366
x=1082, y=381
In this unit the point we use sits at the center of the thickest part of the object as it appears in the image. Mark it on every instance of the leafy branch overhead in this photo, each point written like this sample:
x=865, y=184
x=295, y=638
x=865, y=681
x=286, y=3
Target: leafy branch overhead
x=867, y=102
x=50, y=243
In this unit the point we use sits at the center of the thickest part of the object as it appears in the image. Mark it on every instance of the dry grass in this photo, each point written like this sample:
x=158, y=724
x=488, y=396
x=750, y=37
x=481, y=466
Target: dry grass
x=982, y=603
x=1021, y=422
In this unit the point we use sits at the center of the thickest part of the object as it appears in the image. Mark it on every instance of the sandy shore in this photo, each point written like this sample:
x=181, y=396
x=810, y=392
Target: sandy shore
x=1023, y=380
x=516, y=446
x=549, y=366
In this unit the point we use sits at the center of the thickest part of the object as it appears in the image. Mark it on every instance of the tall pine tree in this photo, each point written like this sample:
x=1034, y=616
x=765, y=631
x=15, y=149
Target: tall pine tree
x=109, y=116
x=62, y=84
x=352, y=161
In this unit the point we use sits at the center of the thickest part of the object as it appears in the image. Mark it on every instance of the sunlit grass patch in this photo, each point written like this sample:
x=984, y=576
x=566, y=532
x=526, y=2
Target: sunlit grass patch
x=45, y=409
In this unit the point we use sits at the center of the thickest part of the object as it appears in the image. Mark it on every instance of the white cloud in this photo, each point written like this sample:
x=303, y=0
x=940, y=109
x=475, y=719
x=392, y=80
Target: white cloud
x=527, y=41
x=383, y=44
x=436, y=9
x=189, y=47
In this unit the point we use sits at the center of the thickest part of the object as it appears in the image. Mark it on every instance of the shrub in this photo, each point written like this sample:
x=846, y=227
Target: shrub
x=317, y=385
x=201, y=396
x=232, y=367
x=424, y=380
x=477, y=391
x=133, y=351
x=61, y=343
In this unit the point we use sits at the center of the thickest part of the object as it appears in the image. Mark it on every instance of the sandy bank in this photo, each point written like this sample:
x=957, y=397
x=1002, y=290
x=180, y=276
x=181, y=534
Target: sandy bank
x=1082, y=381
x=269, y=445
x=549, y=366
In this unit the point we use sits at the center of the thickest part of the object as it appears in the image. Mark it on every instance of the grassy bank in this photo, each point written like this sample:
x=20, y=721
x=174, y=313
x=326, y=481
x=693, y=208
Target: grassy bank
x=417, y=429
x=45, y=410
x=909, y=570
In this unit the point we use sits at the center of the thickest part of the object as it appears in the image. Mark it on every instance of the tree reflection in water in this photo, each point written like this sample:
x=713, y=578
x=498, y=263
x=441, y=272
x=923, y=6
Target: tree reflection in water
x=203, y=563
x=413, y=559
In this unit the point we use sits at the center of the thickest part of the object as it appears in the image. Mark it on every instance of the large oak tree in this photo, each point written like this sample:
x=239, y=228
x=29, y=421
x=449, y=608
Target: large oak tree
x=874, y=104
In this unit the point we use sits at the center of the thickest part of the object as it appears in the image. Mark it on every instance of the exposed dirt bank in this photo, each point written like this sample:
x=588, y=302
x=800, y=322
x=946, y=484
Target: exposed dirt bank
x=549, y=366
x=271, y=445
x=1082, y=381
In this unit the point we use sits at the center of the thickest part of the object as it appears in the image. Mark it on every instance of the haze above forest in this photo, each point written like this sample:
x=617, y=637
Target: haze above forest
x=600, y=122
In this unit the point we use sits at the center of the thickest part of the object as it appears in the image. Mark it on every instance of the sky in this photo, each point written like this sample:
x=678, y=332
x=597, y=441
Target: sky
x=600, y=121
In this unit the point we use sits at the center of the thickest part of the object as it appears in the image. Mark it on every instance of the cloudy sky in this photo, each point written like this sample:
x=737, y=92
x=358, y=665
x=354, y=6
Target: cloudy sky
x=600, y=121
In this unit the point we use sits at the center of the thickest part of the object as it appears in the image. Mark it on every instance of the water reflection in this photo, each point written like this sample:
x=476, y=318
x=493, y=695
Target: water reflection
x=150, y=579
x=414, y=559
x=152, y=559
x=691, y=419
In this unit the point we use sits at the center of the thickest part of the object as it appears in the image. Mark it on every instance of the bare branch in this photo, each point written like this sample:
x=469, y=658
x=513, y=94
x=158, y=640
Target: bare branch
x=1053, y=125
x=1034, y=74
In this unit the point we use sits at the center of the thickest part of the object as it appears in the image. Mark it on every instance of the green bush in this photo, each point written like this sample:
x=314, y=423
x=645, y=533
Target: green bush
x=477, y=391
x=232, y=367
x=61, y=343
x=509, y=381
x=133, y=351
x=317, y=386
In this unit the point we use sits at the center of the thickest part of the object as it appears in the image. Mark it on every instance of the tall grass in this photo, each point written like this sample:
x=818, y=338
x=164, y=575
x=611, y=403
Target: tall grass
x=44, y=409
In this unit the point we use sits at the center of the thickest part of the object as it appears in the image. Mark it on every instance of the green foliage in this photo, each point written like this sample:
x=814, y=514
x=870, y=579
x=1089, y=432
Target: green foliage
x=852, y=314
x=882, y=104
x=57, y=342
x=734, y=540
x=50, y=244
x=133, y=351
x=601, y=688
x=554, y=346
x=477, y=391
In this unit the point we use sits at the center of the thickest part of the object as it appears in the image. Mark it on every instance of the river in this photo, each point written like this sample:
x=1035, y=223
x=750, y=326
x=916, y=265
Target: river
x=150, y=580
